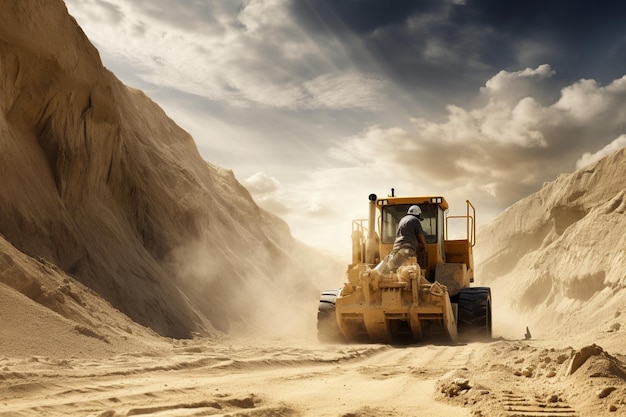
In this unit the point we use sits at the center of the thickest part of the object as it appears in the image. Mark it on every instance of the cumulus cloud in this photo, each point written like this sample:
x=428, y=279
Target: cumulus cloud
x=511, y=87
x=267, y=192
x=505, y=149
x=589, y=158
x=260, y=183
x=504, y=80
x=588, y=102
x=494, y=154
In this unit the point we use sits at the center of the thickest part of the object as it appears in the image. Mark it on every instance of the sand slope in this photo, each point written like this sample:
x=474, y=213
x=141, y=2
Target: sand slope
x=98, y=181
x=557, y=257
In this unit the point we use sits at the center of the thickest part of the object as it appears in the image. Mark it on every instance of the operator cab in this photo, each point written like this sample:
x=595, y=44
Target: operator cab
x=392, y=209
x=432, y=224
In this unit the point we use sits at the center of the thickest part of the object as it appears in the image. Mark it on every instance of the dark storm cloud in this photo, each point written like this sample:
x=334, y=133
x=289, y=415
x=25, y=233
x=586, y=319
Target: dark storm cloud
x=397, y=39
x=445, y=50
x=586, y=37
x=359, y=16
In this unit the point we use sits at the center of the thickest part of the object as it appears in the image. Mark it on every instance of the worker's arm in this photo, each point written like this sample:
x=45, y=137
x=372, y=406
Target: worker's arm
x=422, y=240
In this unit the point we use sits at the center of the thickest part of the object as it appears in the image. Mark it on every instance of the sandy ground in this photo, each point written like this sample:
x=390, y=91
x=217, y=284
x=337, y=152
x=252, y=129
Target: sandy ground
x=111, y=367
x=248, y=377
x=268, y=379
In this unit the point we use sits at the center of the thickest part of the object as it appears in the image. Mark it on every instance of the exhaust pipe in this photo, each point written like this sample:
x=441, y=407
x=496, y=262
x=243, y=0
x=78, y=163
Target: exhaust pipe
x=371, y=247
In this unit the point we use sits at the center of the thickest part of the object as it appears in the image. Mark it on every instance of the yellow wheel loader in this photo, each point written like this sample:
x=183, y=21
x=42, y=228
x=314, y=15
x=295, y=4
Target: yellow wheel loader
x=427, y=298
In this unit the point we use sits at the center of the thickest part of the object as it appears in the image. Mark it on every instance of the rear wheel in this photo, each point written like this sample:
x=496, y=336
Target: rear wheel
x=327, y=327
x=474, y=317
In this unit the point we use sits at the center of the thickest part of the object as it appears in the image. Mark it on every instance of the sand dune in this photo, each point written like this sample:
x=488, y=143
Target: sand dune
x=557, y=257
x=138, y=279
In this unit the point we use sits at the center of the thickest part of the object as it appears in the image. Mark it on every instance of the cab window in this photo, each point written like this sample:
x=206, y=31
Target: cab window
x=391, y=215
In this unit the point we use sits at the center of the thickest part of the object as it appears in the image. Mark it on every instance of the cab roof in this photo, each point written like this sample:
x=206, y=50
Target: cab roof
x=439, y=200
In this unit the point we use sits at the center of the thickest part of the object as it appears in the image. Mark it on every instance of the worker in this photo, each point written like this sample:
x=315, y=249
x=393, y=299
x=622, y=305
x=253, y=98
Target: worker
x=408, y=235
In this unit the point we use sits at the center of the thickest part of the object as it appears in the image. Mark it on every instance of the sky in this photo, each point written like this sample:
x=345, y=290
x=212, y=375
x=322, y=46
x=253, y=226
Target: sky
x=315, y=104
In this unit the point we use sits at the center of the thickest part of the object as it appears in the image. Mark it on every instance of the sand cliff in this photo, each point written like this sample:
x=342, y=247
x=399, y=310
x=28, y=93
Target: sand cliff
x=557, y=256
x=99, y=182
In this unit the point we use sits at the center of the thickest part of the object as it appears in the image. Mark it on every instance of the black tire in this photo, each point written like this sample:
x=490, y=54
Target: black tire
x=327, y=327
x=474, y=317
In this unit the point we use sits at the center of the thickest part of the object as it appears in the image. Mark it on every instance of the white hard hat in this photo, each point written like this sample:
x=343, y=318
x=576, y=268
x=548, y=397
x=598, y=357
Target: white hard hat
x=416, y=211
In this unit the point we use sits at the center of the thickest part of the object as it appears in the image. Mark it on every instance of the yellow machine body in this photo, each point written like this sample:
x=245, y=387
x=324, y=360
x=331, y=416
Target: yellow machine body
x=421, y=299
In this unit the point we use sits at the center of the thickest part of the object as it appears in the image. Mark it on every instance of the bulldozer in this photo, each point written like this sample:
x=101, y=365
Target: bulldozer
x=428, y=298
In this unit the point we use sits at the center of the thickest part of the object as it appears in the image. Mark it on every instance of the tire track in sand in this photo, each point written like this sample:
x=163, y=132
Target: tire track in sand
x=517, y=405
x=368, y=380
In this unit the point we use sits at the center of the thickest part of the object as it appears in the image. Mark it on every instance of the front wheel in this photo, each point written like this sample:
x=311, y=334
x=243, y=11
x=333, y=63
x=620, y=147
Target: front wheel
x=474, y=318
x=327, y=327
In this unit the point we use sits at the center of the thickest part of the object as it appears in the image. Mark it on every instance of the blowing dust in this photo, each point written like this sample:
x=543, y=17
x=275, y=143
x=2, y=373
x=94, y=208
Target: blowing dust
x=269, y=293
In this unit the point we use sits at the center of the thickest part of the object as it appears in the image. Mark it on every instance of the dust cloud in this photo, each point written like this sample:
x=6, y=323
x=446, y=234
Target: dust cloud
x=253, y=292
